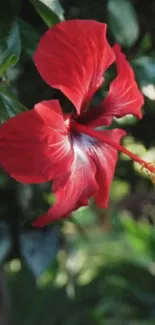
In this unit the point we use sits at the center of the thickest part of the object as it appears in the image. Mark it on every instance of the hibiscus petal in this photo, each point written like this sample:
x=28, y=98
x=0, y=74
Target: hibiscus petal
x=34, y=145
x=72, y=57
x=91, y=175
x=72, y=190
x=123, y=98
x=105, y=159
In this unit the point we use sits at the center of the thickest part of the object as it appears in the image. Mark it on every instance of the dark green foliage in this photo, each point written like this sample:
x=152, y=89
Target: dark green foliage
x=97, y=268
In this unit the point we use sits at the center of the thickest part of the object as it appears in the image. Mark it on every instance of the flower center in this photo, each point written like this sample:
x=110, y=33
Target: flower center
x=80, y=128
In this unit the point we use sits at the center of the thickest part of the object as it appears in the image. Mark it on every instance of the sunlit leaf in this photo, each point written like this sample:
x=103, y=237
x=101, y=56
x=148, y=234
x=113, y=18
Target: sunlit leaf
x=50, y=11
x=10, y=48
x=55, y=6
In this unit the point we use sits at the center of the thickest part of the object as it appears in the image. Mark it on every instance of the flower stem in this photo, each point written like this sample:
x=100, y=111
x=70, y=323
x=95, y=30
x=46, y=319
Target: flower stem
x=80, y=128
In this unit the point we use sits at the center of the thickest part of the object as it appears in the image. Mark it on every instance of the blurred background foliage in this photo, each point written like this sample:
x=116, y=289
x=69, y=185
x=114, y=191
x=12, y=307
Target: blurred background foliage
x=98, y=266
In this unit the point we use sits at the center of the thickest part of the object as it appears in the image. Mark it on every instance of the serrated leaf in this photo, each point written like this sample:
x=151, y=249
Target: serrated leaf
x=9, y=105
x=10, y=49
x=29, y=37
x=123, y=21
x=39, y=248
x=50, y=11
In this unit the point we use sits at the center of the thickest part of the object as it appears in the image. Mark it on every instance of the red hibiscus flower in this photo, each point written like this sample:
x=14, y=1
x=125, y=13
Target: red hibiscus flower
x=44, y=144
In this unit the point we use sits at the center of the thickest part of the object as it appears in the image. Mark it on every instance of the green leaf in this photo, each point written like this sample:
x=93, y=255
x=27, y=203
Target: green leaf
x=145, y=69
x=55, y=6
x=123, y=22
x=50, y=11
x=5, y=240
x=39, y=248
x=10, y=49
x=6, y=17
x=9, y=105
x=29, y=43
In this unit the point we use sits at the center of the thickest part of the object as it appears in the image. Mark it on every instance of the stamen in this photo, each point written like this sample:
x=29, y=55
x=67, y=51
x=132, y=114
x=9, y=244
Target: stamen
x=80, y=128
x=150, y=169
